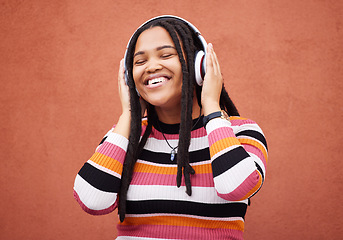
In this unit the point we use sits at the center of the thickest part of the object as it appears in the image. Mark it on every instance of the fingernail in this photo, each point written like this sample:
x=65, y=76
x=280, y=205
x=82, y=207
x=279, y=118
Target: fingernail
x=210, y=46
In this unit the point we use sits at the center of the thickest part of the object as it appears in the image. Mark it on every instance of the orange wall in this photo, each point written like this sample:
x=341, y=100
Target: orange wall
x=282, y=63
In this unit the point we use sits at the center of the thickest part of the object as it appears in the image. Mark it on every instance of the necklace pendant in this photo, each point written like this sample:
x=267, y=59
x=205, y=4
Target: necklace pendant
x=172, y=156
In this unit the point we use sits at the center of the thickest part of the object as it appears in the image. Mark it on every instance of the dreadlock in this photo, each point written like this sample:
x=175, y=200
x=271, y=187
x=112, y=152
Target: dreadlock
x=186, y=42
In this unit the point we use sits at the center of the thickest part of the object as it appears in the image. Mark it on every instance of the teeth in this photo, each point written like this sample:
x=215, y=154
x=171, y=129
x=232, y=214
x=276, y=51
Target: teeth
x=156, y=80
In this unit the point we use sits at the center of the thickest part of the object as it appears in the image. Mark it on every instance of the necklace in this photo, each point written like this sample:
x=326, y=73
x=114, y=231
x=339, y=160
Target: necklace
x=173, y=149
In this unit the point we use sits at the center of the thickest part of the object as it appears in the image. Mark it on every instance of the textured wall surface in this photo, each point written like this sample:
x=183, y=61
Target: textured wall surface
x=282, y=63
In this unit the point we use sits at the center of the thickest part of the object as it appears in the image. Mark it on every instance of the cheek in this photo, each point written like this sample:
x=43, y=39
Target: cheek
x=135, y=75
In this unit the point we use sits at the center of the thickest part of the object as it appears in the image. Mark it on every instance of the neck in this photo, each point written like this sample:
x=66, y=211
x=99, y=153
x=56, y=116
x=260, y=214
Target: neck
x=173, y=116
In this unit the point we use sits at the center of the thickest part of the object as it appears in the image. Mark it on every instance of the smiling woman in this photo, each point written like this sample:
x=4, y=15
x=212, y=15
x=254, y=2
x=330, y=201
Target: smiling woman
x=178, y=132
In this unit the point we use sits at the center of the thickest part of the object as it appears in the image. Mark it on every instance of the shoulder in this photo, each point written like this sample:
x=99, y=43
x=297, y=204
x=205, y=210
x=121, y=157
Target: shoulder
x=244, y=127
x=240, y=124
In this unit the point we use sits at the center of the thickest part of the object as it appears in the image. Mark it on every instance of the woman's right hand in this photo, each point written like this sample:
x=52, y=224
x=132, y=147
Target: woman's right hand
x=123, y=124
x=124, y=93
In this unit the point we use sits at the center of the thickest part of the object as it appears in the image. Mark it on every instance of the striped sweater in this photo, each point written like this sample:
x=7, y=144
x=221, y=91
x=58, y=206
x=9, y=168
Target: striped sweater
x=229, y=159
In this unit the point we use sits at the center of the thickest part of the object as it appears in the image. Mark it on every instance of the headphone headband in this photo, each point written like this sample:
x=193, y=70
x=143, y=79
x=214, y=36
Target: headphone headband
x=195, y=30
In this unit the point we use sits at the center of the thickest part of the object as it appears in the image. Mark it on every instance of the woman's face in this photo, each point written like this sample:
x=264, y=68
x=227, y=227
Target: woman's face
x=157, y=69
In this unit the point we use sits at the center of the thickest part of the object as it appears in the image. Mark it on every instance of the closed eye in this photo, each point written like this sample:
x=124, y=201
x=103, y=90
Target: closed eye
x=167, y=55
x=140, y=62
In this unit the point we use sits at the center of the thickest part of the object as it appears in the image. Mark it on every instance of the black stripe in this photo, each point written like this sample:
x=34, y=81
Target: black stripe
x=175, y=128
x=228, y=160
x=103, y=140
x=260, y=170
x=164, y=158
x=254, y=134
x=99, y=179
x=235, y=209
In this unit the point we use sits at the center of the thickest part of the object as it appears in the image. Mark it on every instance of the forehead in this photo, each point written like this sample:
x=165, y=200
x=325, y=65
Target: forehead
x=153, y=38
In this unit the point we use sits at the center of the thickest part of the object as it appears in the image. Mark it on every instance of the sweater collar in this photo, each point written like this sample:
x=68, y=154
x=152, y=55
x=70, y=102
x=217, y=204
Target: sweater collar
x=175, y=128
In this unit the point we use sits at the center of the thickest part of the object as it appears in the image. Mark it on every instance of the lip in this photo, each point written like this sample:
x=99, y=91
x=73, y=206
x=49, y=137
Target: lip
x=157, y=75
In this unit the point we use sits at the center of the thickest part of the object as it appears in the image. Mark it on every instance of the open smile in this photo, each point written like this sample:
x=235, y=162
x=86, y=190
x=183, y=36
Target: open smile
x=156, y=79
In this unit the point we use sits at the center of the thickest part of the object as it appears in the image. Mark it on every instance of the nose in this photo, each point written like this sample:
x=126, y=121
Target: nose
x=153, y=66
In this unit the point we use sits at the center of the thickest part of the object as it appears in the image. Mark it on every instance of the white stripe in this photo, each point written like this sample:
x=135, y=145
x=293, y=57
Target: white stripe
x=91, y=197
x=248, y=126
x=201, y=163
x=171, y=165
x=118, y=140
x=139, y=238
x=160, y=145
x=232, y=178
x=216, y=123
x=148, y=192
x=106, y=170
x=259, y=162
x=156, y=164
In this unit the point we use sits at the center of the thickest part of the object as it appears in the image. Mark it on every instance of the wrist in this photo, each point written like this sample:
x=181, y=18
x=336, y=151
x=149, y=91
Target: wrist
x=210, y=108
x=123, y=125
x=218, y=114
x=126, y=114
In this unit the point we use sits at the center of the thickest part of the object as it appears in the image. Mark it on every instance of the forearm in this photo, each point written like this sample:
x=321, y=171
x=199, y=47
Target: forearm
x=98, y=182
x=123, y=125
x=238, y=165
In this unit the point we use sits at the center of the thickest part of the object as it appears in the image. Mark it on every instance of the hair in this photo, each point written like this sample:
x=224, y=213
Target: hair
x=186, y=38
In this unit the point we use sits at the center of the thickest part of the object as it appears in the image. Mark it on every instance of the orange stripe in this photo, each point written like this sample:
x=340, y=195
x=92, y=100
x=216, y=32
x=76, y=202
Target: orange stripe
x=256, y=144
x=184, y=221
x=146, y=168
x=237, y=118
x=222, y=144
x=145, y=122
x=107, y=162
x=257, y=186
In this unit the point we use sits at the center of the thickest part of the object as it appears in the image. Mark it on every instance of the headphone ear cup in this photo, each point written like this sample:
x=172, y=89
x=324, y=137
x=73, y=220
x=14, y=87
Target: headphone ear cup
x=200, y=67
x=126, y=76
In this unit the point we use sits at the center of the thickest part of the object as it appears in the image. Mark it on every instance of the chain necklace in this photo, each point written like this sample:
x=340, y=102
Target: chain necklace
x=173, y=149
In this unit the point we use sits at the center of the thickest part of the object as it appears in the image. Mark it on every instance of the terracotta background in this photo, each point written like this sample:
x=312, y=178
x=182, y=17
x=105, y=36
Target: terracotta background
x=282, y=63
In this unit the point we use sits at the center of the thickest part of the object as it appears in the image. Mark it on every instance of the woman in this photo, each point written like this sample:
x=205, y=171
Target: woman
x=186, y=143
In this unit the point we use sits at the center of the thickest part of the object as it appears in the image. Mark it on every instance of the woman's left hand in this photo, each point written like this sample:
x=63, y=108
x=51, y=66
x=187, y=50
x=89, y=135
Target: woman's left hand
x=213, y=83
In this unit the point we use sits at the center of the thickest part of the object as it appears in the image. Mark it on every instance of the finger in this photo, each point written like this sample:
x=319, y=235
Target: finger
x=119, y=73
x=209, y=62
x=121, y=70
x=216, y=65
x=121, y=76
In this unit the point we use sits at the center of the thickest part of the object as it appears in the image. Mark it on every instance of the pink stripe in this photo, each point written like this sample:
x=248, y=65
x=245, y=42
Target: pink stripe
x=178, y=232
x=243, y=189
x=201, y=132
x=197, y=180
x=220, y=133
x=256, y=151
x=239, y=122
x=91, y=211
x=112, y=151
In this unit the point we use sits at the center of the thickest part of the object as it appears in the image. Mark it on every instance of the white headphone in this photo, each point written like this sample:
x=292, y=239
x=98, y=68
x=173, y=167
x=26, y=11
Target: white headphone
x=200, y=56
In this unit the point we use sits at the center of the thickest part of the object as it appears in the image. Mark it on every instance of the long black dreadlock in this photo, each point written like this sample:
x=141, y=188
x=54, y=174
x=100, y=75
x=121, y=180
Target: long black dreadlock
x=183, y=36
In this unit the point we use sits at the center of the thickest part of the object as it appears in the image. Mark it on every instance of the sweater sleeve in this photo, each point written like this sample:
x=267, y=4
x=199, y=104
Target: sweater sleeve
x=98, y=181
x=239, y=155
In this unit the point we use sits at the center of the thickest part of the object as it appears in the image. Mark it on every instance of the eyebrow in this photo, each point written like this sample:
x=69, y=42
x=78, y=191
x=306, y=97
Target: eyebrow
x=158, y=49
